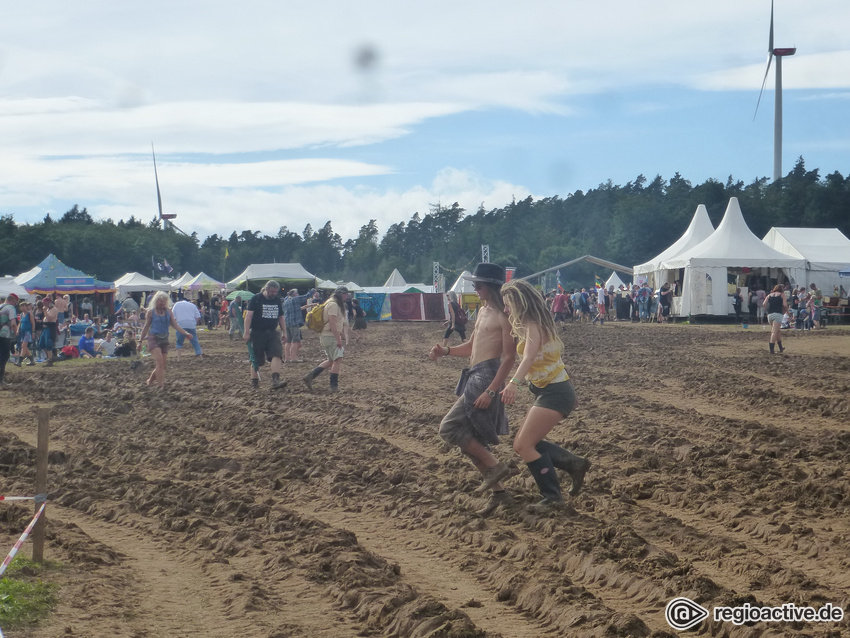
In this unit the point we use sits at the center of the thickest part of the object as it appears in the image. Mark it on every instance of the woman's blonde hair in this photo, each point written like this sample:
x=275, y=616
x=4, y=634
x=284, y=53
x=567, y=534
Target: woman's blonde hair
x=160, y=295
x=526, y=305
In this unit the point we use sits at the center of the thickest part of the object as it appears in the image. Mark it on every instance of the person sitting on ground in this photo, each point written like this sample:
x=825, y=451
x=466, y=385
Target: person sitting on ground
x=86, y=345
x=107, y=346
x=127, y=347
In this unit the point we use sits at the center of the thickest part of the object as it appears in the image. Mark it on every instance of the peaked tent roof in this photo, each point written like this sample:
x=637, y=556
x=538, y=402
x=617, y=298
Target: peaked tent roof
x=137, y=282
x=733, y=245
x=181, y=282
x=823, y=248
x=51, y=275
x=326, y=284
x=614, y=280
x=204, y=282
x=291, y=275
x=395, y=280
x=8, y=287
x=462, y=285
x=353, y=287
x=698, y=230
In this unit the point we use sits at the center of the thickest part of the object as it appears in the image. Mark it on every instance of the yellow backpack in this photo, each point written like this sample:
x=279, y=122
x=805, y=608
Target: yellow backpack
x=315, y=317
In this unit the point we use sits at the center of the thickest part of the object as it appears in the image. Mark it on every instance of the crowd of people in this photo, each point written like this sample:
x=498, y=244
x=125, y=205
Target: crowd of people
x=638, y=303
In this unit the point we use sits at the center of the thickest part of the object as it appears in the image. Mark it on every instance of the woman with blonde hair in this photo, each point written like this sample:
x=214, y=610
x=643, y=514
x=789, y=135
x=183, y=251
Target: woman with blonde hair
x=157, y=320
x=544, y=371
x=776, y=305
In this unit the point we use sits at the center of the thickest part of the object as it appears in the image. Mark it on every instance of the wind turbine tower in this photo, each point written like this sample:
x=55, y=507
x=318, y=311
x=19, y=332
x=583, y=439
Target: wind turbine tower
x=777, y=53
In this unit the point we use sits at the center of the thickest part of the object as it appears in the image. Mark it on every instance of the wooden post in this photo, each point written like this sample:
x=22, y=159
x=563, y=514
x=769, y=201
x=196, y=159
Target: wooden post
x=41, y=481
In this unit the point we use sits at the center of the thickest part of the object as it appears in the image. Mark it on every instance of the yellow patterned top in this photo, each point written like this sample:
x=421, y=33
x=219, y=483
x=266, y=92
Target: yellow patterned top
x=547, y=367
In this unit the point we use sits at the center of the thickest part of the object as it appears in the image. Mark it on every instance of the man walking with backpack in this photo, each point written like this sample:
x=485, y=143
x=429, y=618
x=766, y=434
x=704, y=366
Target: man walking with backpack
x=332, y=339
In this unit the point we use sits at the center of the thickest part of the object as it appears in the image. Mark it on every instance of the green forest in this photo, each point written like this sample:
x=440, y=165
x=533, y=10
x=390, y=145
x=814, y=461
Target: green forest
x=626, y=224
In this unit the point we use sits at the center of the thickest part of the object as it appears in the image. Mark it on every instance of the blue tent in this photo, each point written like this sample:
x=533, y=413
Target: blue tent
x=845, y=272
x=51, y=275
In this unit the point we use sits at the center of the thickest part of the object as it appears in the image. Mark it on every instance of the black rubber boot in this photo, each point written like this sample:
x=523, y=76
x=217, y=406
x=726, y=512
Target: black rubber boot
x=547, y=481
x=307, y=379
x=771, y=348
x=779, y=343
x=575, y=466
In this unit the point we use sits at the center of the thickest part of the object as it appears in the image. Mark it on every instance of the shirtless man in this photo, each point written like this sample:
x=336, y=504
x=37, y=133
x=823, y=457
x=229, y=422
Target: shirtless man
x=478, y=416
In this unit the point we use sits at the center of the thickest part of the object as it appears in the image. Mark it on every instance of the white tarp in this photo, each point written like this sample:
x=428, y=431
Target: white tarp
x=136, y=282
x=181, y=282
x=8, y=286
x=732, y=245
x=698, y=231
x=462, y=285
x=614, y=280
x=395, y=280
x=826, y=251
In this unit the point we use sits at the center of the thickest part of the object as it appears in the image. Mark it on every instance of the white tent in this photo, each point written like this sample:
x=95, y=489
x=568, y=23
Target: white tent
x=698, y=230
x=826, y=251
x=136, y=282
x=181, y=282
x=395, y=280
x=8, y=286
x=353, y=287
x=614, y=280
x=204, y=282
x=257, y=274
x=705, y=290
x=327, y=284
x=463, y=285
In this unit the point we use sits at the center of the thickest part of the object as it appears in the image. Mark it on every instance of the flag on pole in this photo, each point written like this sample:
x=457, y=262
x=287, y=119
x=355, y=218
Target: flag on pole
x=599, y=282
x=226, y=254
x=168, y=268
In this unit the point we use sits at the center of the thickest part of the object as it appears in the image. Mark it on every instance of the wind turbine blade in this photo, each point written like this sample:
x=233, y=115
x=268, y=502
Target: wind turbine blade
x=156, y=177
x=763, y=82
x=770, y=39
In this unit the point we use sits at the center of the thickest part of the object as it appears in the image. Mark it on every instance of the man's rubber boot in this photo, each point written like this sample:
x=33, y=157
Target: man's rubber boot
x=276, y=382
x=771, y=348
x=575, y=466
x=547, y=482
x=779, y=343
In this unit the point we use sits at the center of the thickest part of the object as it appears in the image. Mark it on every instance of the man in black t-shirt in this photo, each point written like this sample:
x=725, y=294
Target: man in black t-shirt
x=264, y=315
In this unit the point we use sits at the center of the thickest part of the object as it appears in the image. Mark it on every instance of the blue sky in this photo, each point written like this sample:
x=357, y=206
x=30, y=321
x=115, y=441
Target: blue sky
x=268, y=114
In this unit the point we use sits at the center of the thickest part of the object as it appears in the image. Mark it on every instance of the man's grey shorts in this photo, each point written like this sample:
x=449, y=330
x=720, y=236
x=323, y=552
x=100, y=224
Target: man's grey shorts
x=293, y=334
x=456, y=428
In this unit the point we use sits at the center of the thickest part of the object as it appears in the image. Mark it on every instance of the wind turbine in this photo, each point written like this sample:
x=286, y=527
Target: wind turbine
x=165, y=218
x=777, y=115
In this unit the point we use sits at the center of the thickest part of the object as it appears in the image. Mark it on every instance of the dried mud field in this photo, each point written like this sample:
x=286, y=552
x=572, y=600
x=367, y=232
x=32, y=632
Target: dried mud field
x=213, y=510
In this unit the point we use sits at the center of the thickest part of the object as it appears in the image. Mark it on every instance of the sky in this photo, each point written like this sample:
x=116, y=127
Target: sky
x=273, y=113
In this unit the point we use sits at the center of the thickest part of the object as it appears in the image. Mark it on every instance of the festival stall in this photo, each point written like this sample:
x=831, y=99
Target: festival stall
x=181, y=282
x=288, y=276
x=204, y=282
x=52, y=276
x=731, y=256
x=826, y=251
x=9, y=287
x=137, y=282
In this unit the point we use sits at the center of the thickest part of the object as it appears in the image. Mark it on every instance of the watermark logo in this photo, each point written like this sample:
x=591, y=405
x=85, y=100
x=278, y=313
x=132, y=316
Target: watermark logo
x=683, y=613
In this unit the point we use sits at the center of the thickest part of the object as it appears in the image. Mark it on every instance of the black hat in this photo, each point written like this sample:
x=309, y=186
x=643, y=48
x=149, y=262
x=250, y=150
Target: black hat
x=341, y=290
x=488, y=274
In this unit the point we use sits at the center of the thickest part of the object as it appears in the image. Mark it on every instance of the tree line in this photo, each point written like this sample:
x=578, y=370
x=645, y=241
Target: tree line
x=626, y=224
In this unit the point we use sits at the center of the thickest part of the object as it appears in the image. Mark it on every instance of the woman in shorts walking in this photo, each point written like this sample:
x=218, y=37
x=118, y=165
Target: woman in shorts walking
x=776, y=306
x=544, y=371
x=157, y=320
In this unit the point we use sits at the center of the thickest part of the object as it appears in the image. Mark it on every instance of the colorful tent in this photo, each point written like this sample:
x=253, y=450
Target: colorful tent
x=51, y=275
x=181, y=282
x=204, y=282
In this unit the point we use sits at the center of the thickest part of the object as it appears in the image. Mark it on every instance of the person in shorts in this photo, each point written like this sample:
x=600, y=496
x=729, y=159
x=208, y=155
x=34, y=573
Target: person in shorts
x=264, y=315
x=478, y=417
x=544, y=371
x=292, y=313
x=334, y=336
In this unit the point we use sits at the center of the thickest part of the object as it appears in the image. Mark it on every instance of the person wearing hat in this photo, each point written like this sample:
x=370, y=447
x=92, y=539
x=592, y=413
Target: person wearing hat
x=478, y=417
x=332, y=339
x=8, y=330
x=265, y=314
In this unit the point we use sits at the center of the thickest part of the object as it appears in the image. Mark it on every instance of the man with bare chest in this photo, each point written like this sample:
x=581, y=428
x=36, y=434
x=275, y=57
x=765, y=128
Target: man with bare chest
x=478, y=417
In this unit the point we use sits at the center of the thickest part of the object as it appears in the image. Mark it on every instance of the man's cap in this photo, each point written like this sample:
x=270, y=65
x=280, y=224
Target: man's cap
x=488, y=274
x=11, y=295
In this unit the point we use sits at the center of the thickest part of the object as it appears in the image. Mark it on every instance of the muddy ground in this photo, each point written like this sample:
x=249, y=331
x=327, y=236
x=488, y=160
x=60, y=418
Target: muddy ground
x=210, y=509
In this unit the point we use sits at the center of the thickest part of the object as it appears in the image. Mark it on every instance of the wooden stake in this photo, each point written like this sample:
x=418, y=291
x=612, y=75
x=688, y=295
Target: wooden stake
x=41, y=481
